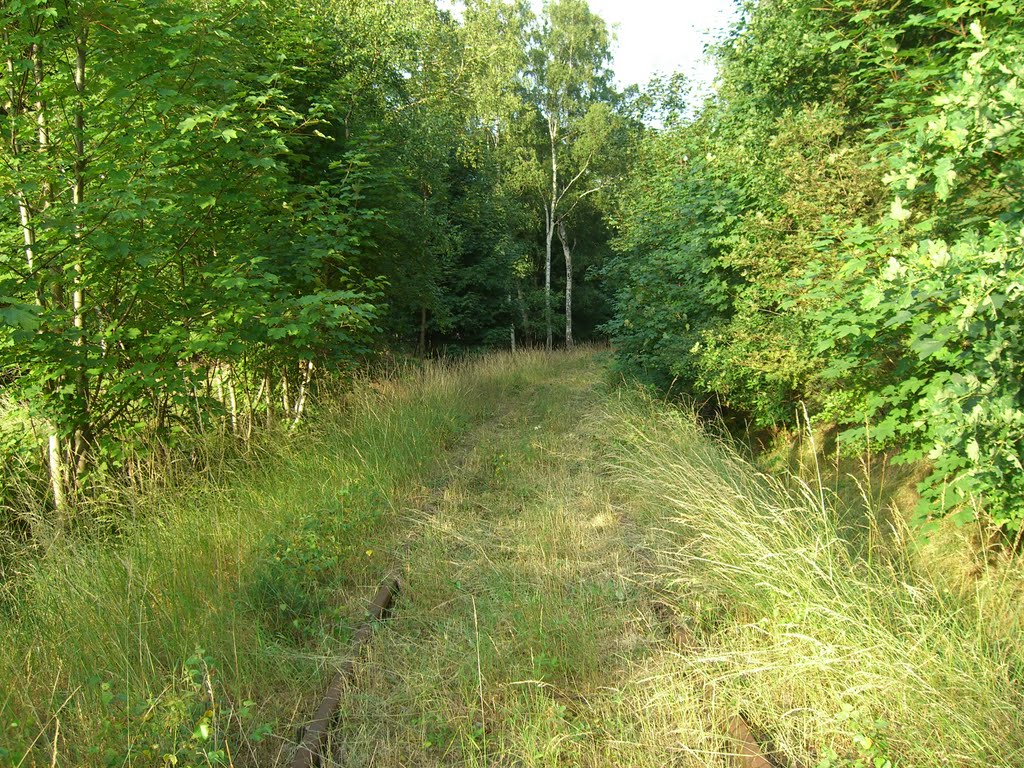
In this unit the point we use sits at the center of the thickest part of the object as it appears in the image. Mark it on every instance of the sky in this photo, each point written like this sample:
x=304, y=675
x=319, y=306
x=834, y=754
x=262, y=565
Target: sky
x=664, y=36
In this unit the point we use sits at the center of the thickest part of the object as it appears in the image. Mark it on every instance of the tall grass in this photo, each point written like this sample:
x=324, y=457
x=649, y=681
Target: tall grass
x=144, y=647
x=826, y=634
x=199, y=626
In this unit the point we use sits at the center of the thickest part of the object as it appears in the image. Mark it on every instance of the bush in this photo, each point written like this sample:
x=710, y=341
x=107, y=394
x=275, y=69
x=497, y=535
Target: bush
x=950, y=389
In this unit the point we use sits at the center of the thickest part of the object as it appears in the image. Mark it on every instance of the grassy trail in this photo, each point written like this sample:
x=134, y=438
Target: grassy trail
x=521, y=616
x=580, y=516
x=550, y=525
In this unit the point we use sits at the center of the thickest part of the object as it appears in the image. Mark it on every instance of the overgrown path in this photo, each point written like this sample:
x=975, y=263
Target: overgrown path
x=548, y=524
x=521, y=615
x=576, y=520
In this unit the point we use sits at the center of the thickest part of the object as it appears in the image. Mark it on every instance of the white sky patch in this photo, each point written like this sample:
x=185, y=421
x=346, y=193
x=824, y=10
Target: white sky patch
x=661, y=36
x=665, y=36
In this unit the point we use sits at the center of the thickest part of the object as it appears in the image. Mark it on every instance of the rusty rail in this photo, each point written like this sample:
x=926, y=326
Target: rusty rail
x=310, y=751
x=748, y=752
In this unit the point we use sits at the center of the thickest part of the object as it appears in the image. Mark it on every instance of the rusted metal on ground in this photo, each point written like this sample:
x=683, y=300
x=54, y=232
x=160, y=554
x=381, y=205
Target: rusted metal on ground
x=309, y=752
x=747, y=753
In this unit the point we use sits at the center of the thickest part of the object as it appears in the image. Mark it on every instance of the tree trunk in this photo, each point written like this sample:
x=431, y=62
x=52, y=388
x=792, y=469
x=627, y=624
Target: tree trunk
x=56, y=464
x=547, y=275
x=58, y=480
x=551, y=215
x=423, y=332
x=218, y=381
x=78, y=191
x=78, y=293
x=300, y=404
x=232, y=401
x=16, y=107
x=568, y=283
x=522, y=309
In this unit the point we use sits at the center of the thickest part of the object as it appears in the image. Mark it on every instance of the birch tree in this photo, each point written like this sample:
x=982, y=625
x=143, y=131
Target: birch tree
x=570, y=85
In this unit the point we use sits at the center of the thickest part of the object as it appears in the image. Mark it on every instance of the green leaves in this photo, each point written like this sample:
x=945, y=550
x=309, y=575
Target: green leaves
x=897, y=212
x=956, y=394
x=846, y=231
x=22, y=318
x=175, y=260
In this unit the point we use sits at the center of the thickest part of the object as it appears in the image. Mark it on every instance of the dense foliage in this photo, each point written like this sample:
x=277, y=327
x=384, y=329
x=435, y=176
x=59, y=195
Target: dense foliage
x=841, y=226
x=207, y=205
x=210, y=205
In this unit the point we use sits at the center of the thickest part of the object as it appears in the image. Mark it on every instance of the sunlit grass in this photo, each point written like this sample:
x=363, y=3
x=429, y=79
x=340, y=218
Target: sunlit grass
x=823, y=630
x=539, y=516
x=96, y=635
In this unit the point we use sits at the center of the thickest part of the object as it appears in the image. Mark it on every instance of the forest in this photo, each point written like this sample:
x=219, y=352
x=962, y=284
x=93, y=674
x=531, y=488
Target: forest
x=211, y=207
x=229, y=226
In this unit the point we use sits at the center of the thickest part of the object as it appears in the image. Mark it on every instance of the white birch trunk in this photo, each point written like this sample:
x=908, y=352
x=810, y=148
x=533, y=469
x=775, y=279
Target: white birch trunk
x=78, y=192
x=300, y=403
x=567, y=251
x=218, y=384
x=552, y=221
x=547, y=275
x=78, y=444
x=57, y=481
x=232, y=402
x=55, y=451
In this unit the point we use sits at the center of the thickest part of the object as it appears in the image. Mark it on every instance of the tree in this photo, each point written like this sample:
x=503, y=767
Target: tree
x=570, y=86
x=840, y=226
x=169, y=251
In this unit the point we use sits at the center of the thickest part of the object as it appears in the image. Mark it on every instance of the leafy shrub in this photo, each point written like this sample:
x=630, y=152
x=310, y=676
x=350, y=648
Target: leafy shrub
x=927, y=323
x=848, y=235
x=951, y=388
x=303, y=562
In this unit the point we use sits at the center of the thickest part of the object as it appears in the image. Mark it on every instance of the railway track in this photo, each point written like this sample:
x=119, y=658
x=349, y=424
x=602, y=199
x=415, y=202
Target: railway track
x=309, y=753
x=747, y=750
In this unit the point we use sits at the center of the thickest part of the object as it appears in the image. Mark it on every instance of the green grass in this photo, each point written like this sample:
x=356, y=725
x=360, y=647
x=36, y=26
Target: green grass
x=97, y=636
x=828, y=633
x=542, y=517
x=508, y=642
